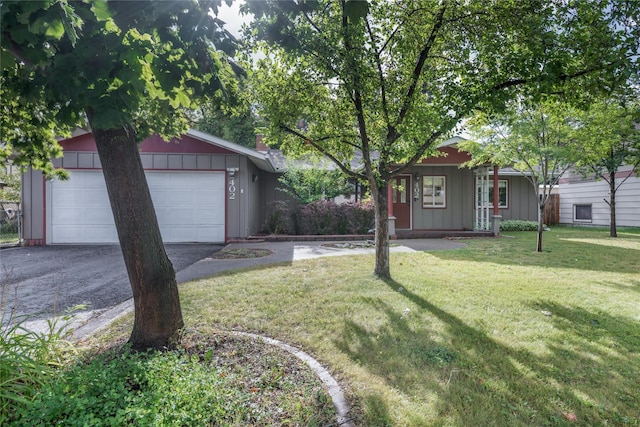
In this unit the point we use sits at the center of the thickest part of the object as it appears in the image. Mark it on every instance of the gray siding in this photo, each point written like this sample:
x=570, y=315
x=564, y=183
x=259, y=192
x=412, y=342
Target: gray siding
x=522, y=200
x=458, y=214
x=460, y=210
x=33, y=207
x=244, y=213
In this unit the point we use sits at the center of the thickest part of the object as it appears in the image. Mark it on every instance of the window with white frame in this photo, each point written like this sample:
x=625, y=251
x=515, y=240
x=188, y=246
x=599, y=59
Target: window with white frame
x=434, y=191
x=582, y=213
x=503, y=194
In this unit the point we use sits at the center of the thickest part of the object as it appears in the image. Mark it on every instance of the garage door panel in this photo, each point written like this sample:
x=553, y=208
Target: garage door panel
x=189, y=207
x=211, y=216
x=99, y=216
x=95, y=197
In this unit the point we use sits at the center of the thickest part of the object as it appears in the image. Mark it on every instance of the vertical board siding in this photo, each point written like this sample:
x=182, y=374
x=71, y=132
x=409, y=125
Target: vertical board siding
x=522, y=200
x=458, y=213
x=33, y=207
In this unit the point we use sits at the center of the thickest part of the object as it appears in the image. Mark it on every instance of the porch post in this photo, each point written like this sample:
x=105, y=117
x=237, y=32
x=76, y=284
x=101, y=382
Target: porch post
x=496, y=202
x=392, y=218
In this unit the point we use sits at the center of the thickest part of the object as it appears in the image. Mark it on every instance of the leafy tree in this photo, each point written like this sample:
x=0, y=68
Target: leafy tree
x=392, y=79
x=10, y=191
x=129, y=69
x=611, y=139
x=539, y=141
x=315, y=182
x=236, y=125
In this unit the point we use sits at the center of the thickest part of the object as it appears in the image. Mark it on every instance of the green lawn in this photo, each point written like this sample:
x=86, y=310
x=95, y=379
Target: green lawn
x=494, y=334
x=9, y=238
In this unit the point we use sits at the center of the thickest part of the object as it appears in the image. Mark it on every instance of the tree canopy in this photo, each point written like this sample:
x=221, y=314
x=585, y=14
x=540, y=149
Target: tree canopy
x=610, y=135
x=140, y=64
x=392, y=79
x=541, y=141
x=127, y=70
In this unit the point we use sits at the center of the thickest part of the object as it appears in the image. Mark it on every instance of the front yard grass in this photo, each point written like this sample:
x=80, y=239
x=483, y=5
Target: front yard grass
x=493, y=334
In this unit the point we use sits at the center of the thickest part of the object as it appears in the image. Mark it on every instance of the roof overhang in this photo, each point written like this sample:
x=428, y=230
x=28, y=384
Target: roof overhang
x=261, y=160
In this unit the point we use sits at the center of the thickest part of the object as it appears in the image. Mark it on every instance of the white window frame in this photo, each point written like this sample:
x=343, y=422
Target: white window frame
x=575, y=212
x=434, y=193
x=490, y=202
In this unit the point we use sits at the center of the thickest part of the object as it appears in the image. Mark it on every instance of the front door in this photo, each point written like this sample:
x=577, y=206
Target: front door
x=401, y=198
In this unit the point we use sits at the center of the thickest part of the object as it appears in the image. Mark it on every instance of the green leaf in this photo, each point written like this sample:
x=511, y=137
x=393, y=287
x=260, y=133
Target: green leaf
x=55, y=29
x=101, y=10
x=356, y=9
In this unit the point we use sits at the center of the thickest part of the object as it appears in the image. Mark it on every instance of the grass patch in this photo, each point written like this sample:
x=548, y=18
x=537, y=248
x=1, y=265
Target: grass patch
x=492, y=334
x=9, y=237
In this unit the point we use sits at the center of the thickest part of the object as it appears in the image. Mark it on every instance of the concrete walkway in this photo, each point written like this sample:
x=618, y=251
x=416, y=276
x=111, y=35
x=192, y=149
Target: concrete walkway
x=282, y=253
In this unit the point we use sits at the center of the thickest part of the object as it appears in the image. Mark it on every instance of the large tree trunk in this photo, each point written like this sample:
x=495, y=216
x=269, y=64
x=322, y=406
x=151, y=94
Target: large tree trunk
x=540, y=227
x=613, y=229
x=153, y=280
x=380, y=198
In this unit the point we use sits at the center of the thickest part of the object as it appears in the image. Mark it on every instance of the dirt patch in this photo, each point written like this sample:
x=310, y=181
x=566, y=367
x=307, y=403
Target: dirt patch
x=241, y=253
x=366, y=244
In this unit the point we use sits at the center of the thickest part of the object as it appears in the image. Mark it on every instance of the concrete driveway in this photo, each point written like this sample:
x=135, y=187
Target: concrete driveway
x=44, y=281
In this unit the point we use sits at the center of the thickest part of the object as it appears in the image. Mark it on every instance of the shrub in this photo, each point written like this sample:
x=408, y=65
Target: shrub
x=360, y=217
x=324, y=218
x=320, y=218
x=10, y=227
x=518, y=225
x=125, y=388
x=28, y=359
x=279, y=218
x=177, y=388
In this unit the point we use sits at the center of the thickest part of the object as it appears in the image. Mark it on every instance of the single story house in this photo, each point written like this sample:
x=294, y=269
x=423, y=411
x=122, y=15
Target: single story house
x=206, y=189
x=584, y=200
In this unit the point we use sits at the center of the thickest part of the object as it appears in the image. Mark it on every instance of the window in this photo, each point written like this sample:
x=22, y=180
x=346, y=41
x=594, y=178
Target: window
x=434, y=192
x=503, y=194
x=582, y=213
x=399, y=186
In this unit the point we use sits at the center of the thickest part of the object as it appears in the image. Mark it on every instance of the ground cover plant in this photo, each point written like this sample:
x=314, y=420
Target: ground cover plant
x=493, y=334
x=214, y=380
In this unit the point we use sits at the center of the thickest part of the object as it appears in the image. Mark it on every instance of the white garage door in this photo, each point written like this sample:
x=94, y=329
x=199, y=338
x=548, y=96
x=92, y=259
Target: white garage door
x=189, y=206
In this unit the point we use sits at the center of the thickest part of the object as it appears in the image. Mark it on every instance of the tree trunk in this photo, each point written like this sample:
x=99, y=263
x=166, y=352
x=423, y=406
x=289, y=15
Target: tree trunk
x=153, y=280
x=613, y=229
x=540, y=227
x=380, y=198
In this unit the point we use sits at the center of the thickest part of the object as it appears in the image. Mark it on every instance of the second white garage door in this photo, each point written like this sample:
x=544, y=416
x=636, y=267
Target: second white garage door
x=189, y=206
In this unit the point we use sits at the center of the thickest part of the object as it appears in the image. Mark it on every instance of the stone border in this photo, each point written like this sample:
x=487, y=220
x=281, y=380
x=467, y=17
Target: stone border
x=334, y=389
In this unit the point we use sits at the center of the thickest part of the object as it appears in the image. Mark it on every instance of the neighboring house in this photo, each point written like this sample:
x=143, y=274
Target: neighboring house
x=584, y=200
x=206, y=189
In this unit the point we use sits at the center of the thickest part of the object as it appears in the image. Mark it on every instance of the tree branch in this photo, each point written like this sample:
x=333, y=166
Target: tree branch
x=421, y=150
x=321, y=150
x=383, y=89
x=417, y=72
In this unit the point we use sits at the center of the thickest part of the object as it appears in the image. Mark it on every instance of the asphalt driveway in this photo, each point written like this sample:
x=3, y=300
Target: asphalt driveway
x=44, y=281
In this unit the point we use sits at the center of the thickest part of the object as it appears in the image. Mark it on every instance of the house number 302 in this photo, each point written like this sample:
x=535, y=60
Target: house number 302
x=232, y=188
